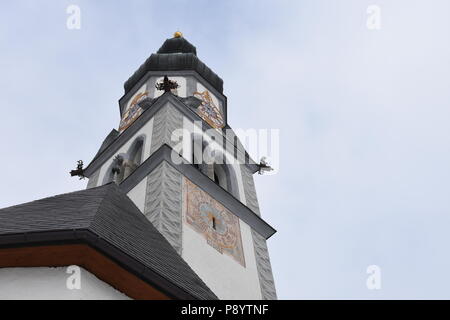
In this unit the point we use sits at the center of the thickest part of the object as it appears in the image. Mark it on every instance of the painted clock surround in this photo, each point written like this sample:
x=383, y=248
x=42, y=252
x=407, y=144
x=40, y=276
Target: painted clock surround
x=191, y=83
x=220, y=228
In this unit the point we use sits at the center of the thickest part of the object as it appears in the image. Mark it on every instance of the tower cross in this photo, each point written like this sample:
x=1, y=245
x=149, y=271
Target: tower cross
x=166, y=85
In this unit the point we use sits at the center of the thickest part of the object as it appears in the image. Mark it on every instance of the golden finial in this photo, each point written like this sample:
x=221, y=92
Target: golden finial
x=177, y=34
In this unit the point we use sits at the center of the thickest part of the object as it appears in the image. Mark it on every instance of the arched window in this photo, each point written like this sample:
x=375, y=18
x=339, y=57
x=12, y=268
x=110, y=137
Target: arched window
x=220, y=176
x=115, y=171
x=216, y=178
x=124, y=164
x=217, y=169
x=134, y=158
x=197, y=146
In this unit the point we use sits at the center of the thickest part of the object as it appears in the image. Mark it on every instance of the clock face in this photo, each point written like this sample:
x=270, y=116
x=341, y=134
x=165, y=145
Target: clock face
x=209, y=218
x=208, y=110
x=133, y=111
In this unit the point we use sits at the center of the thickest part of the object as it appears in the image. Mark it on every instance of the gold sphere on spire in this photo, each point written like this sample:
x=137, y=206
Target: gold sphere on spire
x=177, y=34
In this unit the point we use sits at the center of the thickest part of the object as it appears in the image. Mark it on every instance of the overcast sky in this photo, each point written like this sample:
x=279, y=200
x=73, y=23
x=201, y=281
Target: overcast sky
x=364, y=117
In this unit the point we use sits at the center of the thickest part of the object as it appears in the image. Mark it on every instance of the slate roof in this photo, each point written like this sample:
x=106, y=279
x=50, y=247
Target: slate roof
x=104, y=214
x=175, y=54
x=177, y=45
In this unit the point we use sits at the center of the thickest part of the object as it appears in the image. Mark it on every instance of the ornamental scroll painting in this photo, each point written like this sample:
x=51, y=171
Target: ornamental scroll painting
x=208, y=217
x=208, y=110
x=133, y=111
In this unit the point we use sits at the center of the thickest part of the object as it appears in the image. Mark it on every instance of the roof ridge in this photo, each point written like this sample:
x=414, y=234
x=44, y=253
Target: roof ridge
x=103, y=197
x=53, y=197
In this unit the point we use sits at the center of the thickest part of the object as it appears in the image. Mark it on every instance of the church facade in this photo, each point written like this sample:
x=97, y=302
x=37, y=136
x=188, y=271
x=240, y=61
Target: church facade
x=170, y=210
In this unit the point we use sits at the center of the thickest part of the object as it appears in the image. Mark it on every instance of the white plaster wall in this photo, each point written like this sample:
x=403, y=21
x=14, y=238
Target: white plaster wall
x=50, y=284
x=147, y=129
x=221, y=273
x=137, y=194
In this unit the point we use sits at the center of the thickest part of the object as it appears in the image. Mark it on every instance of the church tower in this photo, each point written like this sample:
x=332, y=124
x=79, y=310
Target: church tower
x=179, y=161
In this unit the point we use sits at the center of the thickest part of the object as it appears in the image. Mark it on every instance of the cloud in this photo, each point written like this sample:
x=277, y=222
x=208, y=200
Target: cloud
x=363, y=118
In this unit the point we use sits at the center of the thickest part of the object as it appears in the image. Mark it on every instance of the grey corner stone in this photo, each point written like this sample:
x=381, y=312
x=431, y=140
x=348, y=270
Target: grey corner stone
x=163, y=203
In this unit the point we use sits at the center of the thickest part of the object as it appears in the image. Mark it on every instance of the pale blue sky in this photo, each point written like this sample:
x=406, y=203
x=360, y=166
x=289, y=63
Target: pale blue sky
x=365, y=141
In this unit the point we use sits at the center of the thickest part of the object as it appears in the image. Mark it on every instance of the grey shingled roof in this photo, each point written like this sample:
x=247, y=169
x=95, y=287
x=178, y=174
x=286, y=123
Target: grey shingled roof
x=177, y=45
x=176, y=54
x=106, y=219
